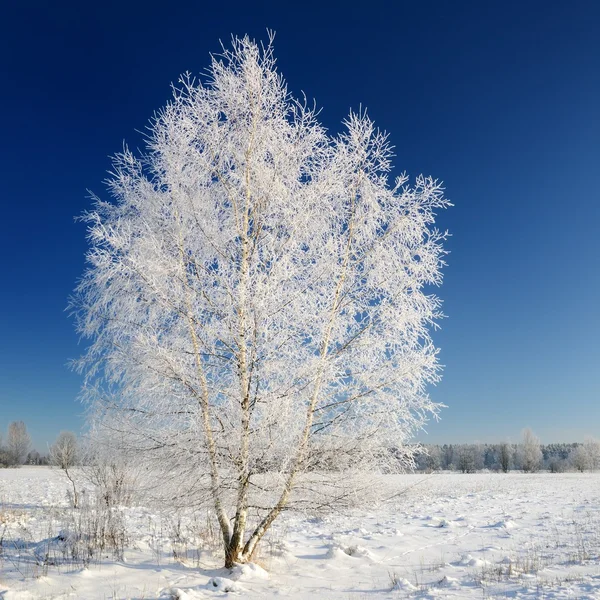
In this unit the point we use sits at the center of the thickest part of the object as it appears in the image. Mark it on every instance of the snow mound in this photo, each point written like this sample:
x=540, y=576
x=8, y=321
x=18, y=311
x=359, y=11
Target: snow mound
x=248, y=571
x=179, y=594
x=477, y=562
x=504, y=524
x=449, y=582
x=341, y=552
x=404, y=584
x=441, y=522
x=16, y=595
x=468, y=561
x=222, y=584
x=446, y=523
x=358, y=531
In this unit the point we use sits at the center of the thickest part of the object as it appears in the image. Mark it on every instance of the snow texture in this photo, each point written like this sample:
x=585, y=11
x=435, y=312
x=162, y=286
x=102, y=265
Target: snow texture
x=552, y=551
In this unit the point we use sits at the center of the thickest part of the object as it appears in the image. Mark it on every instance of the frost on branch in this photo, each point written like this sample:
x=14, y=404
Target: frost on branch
x=255, y=300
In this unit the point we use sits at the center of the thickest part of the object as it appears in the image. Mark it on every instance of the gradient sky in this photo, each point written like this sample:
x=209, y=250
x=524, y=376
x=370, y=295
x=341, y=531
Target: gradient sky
x=500, y=100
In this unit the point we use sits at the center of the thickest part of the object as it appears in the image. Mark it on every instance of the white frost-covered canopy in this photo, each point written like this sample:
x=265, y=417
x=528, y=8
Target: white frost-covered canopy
x=256, y=292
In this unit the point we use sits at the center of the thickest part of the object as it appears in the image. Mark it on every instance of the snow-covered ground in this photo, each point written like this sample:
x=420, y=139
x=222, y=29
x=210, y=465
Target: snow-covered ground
x=442, y=536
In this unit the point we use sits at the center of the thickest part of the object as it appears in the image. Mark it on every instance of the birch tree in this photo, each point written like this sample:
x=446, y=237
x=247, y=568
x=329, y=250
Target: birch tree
x=530, y=452
x=592, y=450
x=258, y=300
x=18, y=443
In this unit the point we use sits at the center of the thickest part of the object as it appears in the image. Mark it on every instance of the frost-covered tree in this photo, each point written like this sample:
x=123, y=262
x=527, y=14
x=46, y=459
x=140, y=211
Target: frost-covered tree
x=18, y=443
x=434, y=458
x=448, y=452
x=64, y=454
x=428, y=459
x=592, y=450
x=579, y=459
x=256, y=300
x=530, y=453
x=3, y=454
x=504, y=457
x=466, y=458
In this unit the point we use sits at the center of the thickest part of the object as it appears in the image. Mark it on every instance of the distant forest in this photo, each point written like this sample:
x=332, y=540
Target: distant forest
x=470, y=458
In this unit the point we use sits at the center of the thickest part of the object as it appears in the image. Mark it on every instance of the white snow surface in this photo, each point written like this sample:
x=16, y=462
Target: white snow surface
x=443, y=536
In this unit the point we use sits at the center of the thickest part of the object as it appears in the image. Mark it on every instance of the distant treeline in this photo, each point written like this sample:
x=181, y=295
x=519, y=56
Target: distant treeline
x=470, y=458
x=32, y=458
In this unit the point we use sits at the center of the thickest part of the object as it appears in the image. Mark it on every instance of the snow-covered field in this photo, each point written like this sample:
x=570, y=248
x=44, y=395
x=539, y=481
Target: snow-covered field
x=442, y=536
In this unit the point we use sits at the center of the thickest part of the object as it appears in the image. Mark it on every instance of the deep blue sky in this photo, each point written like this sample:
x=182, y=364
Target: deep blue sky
x=500, y=100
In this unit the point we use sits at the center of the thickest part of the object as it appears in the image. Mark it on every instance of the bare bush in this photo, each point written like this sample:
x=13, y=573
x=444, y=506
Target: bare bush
x=64, y=453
